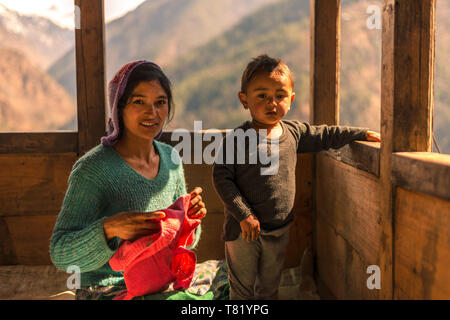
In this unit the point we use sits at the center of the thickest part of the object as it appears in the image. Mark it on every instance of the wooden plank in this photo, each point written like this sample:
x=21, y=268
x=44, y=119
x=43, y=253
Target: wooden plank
x=34, y=283
x=413, y=74
x=29, y=239
x=424, y=172
x=325, y=61
x=38, y=142
x=341, y=269
x=406, y=101
x=349, y=203
x=211, y=245
x=324, y=78
x=300, y=234
x=422, y=246
x=362, y=155
x=33, y=184
x=90, y=62
x=200, y=175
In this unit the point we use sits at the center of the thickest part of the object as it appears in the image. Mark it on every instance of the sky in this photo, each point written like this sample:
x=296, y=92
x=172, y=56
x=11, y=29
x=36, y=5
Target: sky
x=62, y=11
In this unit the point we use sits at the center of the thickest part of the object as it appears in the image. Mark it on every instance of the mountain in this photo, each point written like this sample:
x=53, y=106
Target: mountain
x=30, y=100
x=160, y=30
x=207, y=79
x=42, y=41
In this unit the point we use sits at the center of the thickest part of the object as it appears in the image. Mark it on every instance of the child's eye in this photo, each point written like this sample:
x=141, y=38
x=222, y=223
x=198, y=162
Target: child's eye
x=261, y=95
x=281, y=96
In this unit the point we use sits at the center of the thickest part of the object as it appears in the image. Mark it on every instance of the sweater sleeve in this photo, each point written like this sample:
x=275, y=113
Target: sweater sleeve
x=224, y=178
x=78, y=236
x=317, y=138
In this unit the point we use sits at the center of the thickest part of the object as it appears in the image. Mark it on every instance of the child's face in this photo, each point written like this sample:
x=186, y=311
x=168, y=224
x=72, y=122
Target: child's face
x=268, y=98
x=146, y=110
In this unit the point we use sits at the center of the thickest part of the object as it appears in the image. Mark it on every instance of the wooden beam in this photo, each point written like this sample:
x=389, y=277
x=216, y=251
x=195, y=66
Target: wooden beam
x=406, y=103
x=424, y=172
x=325, y=61
x=38, y=142
x=90, y=62
x=422, y=246
x=324, y=92
x=362, y=155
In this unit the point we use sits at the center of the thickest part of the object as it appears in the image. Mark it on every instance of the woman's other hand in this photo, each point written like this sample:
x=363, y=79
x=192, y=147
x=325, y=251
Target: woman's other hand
x=132, y=225
x=197, y=209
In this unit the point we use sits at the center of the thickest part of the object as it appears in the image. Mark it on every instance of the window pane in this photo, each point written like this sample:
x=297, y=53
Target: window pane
x=204, y=46
x=34, y=35
x=360, y=93
x=442, y=78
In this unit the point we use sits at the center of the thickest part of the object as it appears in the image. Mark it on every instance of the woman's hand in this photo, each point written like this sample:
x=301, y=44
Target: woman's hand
x=132, y=225
x=250, y=228
x=373, y=136
x=197, y=209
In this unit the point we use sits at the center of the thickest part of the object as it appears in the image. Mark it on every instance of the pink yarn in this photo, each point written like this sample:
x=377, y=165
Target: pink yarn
x=152, y=263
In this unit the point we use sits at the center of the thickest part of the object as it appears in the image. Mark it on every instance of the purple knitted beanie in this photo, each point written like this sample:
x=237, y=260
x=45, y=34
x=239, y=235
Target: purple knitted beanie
x=116, y=88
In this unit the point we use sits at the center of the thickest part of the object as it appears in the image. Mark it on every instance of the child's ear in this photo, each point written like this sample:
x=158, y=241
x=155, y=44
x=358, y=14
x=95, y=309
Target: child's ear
x=243, y=99
x=292, y=96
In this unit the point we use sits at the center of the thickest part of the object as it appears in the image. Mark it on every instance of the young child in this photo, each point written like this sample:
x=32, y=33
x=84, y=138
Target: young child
x=259, y=207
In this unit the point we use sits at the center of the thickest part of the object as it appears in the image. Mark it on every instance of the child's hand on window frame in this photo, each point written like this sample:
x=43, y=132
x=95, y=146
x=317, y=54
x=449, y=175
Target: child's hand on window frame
x=373, y=136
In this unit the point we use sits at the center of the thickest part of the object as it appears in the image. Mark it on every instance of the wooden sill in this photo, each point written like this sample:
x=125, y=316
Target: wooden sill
x=362, y=155
x=424, y=172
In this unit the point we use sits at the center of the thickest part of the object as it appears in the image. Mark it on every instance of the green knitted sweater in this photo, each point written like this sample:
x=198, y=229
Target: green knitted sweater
x=100, y=185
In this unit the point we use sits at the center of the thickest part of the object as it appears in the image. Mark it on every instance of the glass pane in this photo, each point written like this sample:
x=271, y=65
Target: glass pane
x=204, y=46
x=34, y=35
x=360, y=93
x=442, y=78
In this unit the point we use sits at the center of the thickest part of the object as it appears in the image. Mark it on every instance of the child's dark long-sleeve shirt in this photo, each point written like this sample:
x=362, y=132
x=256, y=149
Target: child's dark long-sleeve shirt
x=244, y=190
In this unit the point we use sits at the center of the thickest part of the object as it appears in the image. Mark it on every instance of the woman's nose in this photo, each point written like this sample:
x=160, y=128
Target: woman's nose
x=151, y=110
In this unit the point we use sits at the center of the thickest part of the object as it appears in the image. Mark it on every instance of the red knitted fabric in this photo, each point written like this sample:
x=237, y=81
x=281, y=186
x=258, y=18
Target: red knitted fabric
x=152, y=263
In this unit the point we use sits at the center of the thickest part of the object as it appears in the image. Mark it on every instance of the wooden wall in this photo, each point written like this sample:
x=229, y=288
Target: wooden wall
x=32, y=189
x=391, y=208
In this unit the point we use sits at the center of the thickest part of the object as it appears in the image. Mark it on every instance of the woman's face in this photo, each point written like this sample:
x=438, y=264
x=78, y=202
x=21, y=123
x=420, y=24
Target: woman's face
x=146, y=110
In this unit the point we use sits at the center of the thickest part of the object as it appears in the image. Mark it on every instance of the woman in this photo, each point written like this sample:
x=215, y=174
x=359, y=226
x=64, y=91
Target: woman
x=115, y=188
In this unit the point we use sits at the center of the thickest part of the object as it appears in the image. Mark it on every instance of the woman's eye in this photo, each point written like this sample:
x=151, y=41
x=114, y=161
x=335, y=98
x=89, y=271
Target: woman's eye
x=261, y=96
x=161, y=102
x=139, y=101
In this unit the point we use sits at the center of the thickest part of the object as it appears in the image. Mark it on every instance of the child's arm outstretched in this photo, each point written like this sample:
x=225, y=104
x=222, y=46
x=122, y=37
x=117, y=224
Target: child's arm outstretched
x=317, y=138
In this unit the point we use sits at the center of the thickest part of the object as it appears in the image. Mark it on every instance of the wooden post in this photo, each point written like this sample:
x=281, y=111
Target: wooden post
x=325, y=61
x=324, y=91
x=90, y=62
x=406, y=104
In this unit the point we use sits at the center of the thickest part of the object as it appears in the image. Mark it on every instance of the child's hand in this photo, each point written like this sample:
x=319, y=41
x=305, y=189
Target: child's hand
x=197, y=209
x=373, y=136
x=250, y=228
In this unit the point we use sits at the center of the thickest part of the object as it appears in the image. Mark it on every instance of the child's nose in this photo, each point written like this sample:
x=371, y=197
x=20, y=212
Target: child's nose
x=271, y=101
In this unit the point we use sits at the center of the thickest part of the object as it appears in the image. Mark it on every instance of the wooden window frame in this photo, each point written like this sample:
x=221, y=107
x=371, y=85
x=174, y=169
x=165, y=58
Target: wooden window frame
x=91, y=96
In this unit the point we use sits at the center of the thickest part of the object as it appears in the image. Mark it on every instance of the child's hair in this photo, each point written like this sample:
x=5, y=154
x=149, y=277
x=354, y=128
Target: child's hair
x=264, y=64
x=145, y=72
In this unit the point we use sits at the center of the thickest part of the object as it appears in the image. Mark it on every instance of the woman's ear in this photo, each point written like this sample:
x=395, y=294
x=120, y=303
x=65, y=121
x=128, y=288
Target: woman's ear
x=243, y=99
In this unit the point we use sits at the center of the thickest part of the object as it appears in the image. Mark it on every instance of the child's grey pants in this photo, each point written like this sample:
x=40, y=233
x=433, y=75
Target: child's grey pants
x=254, y=268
